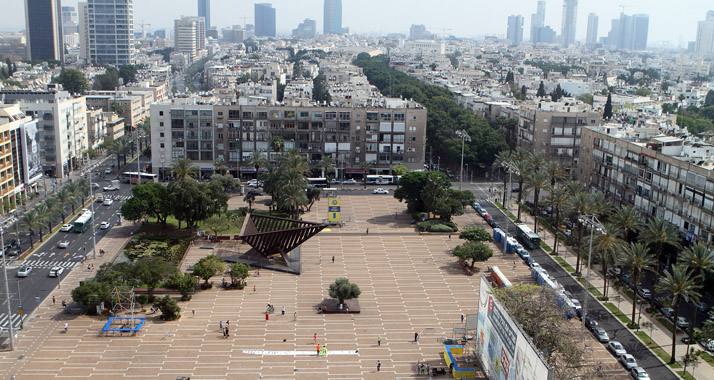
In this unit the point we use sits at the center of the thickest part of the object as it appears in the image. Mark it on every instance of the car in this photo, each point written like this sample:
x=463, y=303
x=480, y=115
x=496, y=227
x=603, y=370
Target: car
x=600, y=334
x=709, y=345
x=95, y=186
x=529, y=261
x=590, y=322
x=349, y=182
x=488, y=218
x=110, y=188
x=638, y=373
x=66, y=228
x=100, y=198
x=24, y=271
x=628, y=361
x=483, y=212
x=616, y=348
x=703, y=307
x=668, y=312
x=627, y=280
x=575, y=302
x=535, y=265
x=682, y=322
x=688, y=340
x=516, y=190
x=14, y=251
x=617, y=272
x=644, y=293
x=63, y=244
x=496, y=225
x=380, y=190
x=255, y=192
x=522, y=252
x=529, y=203
x=56, y=271
x=476, y=206
x=104, y=226
x=334, y=181
x=108, y=202
x=108, y=171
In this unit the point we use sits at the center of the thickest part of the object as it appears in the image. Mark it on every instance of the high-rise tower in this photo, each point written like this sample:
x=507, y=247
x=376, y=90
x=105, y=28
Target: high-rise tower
x=537, y=20
x=44, y=29
x=332, y=22
x=570, y=18
x=110, y=32
x=705, y=34
x=264, y=20
x=591, y=38
x=204, y=10
x=515, y=29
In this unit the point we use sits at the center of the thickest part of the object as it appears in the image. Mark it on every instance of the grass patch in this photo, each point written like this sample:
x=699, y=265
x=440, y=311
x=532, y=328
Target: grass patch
x=666, y=323
x=171, y=248
x=592, y=289
x=619, y=314
x=565, y=264
x=706, y=357
x=687, y=376
x=508, y=213
x=546, y=247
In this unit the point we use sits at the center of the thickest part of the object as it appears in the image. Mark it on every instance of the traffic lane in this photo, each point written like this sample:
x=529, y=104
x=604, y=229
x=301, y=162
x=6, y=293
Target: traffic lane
x=615, y=330
x=33, y=288
x=687, y=310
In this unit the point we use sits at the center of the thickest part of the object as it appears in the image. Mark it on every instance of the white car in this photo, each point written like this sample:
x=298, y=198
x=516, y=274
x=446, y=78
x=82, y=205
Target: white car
x=24, y=271
x=638, y=373
x=616, y=348
x=108, y=171
x=56, y=271
x=682, y=322
x=628, y=361
x=66, y=228
x=108, y=202
x=100, y=198
x=349, y=182
x=104, y=226
x=111, y=188
x=380, y=191
x=63, y=244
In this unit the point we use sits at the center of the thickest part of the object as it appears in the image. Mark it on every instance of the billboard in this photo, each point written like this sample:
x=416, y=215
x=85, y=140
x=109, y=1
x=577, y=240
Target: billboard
x=32, y=162
x=505, y=350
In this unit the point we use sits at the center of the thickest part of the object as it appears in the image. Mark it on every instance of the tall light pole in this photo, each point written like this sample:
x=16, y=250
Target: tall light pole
x=7, y=291
x=138, y=158
x=464, y=137
x=467, y=172
x=593, y=222
x=91, y=206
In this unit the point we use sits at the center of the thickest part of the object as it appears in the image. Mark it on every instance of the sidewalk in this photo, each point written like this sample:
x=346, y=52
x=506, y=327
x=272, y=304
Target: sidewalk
x=660, y=335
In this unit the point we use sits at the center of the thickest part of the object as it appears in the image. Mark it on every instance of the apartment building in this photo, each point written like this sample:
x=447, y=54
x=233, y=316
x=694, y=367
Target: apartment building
x=63, y=136
x=20, y=166
x=554, y=129
x=134, y=105
x=383, y=136
x=663, y=176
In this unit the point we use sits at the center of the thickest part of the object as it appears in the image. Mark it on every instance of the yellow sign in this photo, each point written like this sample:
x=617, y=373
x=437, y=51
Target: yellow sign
x=333, y=211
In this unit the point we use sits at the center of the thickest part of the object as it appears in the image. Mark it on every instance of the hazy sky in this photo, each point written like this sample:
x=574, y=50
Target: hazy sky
x=673, y=21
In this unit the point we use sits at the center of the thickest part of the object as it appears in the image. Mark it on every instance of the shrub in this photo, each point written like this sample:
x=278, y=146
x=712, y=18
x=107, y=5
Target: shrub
x=429, y=225
x=441, y=228
x=170, y=310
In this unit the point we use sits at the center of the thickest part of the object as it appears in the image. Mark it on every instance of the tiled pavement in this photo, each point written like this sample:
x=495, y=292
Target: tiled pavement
x=410, y=283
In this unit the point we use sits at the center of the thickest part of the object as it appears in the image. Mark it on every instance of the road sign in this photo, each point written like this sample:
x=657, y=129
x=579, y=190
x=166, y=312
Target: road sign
x=19, y=309
x=333, y=211
x=37, y=299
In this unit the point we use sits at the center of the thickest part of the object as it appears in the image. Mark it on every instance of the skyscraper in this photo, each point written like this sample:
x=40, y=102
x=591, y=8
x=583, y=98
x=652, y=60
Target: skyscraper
x=44, y=29
x=69, y=20
x=332, y=22
x=640, y=31
x=305, y=29
x=204, y=10
x=591, y=38
x=537, y=20
x=629, y=32
x=190, y=36
x=570, y=18
x=515, y=29
x=705, y=34
x=264, y=20
x=110, y=32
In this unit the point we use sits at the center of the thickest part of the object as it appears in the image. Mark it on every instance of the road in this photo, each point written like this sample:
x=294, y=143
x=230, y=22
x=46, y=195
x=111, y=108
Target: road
x=30, y=290
x=614, y=328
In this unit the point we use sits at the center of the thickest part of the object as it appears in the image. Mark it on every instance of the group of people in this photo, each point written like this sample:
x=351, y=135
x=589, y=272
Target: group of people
x=224, y=328
x=270, y=309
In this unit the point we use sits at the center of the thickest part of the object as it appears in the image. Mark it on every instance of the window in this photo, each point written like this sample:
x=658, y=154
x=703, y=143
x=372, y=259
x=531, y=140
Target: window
x=398, y=117
x=274, y=114
x=289, y=114
x=162, y=145
x=247, y=115
x=372, y=116
x=161, y=134
x=177, y=123
x=386, y=116
x=161, y=124
x=262, y=115
x=161, y=113
x=345, y=116
x=233, y=114
x=331, y=115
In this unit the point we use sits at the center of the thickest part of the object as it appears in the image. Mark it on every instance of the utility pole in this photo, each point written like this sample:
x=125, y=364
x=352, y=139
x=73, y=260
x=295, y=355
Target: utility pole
x=593, y=222
x=138, y=157
x=91, y=206
x=7, y=292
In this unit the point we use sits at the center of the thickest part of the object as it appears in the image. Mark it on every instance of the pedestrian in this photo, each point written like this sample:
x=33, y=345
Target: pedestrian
x=227, y=333
x=514, y=264
x=462, y=318
x=228, y=323
x=367, y=231
x=53, y=300
x=257, y=272
x=220, y=325
x=428, y=368
x=416, y=337
x=253, y=288
x=320, y=259
x=193, y=311
x=224, y=332
x=314, y=337
x=283, y=310
x=64, y=303
x=333, y=259
x=223, y=282
x=449, y=235
x=66, y=325
x=379, y=341
x=295, y=316
x=379, y=365
x=417, y=367
x=318, y=350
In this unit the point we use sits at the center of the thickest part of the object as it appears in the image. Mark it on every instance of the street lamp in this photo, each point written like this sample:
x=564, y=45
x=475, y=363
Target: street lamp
x=593, y=222
x=464, y=137
x=511, y=169
x=91, y=206
x=7, y=291
x=467, y=171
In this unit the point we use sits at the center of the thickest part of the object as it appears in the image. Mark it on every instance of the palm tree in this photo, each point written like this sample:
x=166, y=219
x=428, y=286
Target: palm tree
x=601, y=205
x=682, y=285
x=555, y=172
x=537, y=161
x=523, y=167
x=638, y=257
x=250, y=198
x=73, y=192
x=608, y=245
x=536, y=181
x=700, y=258
x=327, y=166
x=257, y=160
x=43, y=216
x=63, y=198
x=52, y=210
x=365, y=165
x=628, y=220
x=277, y=144
x=30, y=221
x=504, y=161
x=580, y=204
x=184, y=168
x=659, y=233
x=118, y=148
x=220, y=166
x=557, y=198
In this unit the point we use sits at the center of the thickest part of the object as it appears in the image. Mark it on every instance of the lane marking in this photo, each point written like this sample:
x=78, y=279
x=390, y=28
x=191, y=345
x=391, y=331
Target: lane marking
x=299, y=353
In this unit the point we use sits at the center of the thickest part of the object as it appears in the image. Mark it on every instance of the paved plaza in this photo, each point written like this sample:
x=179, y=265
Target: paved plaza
x=410, y=283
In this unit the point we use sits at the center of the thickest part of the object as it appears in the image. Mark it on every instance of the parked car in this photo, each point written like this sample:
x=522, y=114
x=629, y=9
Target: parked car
x=682, y=322
x=95, y=186
x=108, y=202
x=56, y=271
x=529, y=203
x=110, y=188
x=104, y=226
x=617, y=272
x=516, y=190
x=703, y=307
x=709, y=345
x=334, y=181
x=63, y=244
x=488, y=218
x=535, y=265
x=688, y=340
x=638, y=373
x=575, y=302
x=529, y=261
x=600, y=334
x=108, y=171
x=616, y=348
x=476, y=206
x=482, y=212
x=522, y=252
x=255, y=192
x=14, y=251
x=668, y=312
x=644, y=293
x=590, y=322
x=66, y=228
x=496, y=225
x=24, y=271
x=380, y=190
x=350, y=182
x=628, y=361
x=626, y=279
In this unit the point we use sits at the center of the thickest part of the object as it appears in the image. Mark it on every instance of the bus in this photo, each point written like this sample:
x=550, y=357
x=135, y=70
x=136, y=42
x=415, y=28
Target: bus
x=317, y=182
x=132, y=177
x=498, y=278
x=83, y=222
x=379, y=179
x=527, y=237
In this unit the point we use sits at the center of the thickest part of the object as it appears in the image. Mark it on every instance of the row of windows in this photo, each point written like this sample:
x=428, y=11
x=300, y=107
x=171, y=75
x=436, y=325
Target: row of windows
x=303, y=115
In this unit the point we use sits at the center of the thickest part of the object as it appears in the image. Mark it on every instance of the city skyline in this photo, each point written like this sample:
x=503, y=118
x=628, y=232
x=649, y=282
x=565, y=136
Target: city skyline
x=472, y=20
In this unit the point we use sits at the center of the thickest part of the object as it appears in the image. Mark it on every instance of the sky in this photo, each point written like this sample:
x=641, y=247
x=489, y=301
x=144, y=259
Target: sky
x=673, y=22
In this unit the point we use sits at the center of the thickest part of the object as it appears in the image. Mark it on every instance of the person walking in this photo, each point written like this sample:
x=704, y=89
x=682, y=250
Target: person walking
x=379, y=365
x=379, y=341
x=318, y=350
x=295, y=316
x=253, y=288
x=416, y=337
x=193, y=311
x=220, y=325
x=462, y=318
x=367, y=233
x=283, y=310
x=333, y=259
x=428, y=368
x=320, y=259
x=314, y=337
x=227, y=333
x=66, y=325
x=53, y=300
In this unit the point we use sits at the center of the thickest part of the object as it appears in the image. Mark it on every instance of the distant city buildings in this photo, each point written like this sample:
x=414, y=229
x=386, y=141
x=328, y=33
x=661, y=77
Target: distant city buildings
x=306, y=29
x=190, y=37
x=545, y=35
x=629, y=32
x=264, y=20
x=419, y=32
x=591, y=37
x=109, y=32
x=332, y=23
x=515, y=29
x=204, y=10
x=570, y=18
x=705, y=34
x=537, y=21
x=43, y=21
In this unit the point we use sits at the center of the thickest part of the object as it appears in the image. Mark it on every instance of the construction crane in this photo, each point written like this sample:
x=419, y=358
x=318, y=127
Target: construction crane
x=444, y=32
x=143, y=31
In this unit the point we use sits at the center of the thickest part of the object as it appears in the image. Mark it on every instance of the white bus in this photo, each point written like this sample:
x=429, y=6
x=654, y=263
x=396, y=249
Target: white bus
x=317, y=182
x=83, y=222
x=132, y=177
x=380, y=179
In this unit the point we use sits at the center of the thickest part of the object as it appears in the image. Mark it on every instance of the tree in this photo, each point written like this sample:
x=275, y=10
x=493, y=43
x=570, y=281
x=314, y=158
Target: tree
x=709, y=99
x=208, y=267
x=475, y=234
x=277, y=144
x=700, y=258
x=313, y=195
x=580, y=203
x=541, y=90
x=63, y=198
x=92, y=293
x=190, y=201
x=170, y=310
x=128, y=73
x=327, y=166
x=250, y=199
x=586, y=98
x=658, y=233
x=30, y=221
x=320, y=92
x=108, y=81
x=117, y=108
x=681, y=285
x=607, y=114
x=399, y=170
x=238, y=272
x=638, y=258
x=184, y=168
x=148, y=199
x=473, y=251
x=151, y=271
x=73, y=81
x=218, y=224
x=509, y=77
x=365, y=165
x=343, y=290
x=504, y=160
x=185, y=284
x=536, y=180
x=628, y=220
x=669, y=108
x=558, y=93
x=557, y=198
x=257, y=160
x=608, y=245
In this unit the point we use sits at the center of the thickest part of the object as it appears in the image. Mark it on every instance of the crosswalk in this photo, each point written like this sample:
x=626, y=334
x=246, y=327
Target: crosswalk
x=16, y=322
x=117, y=198
x=49, y=264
